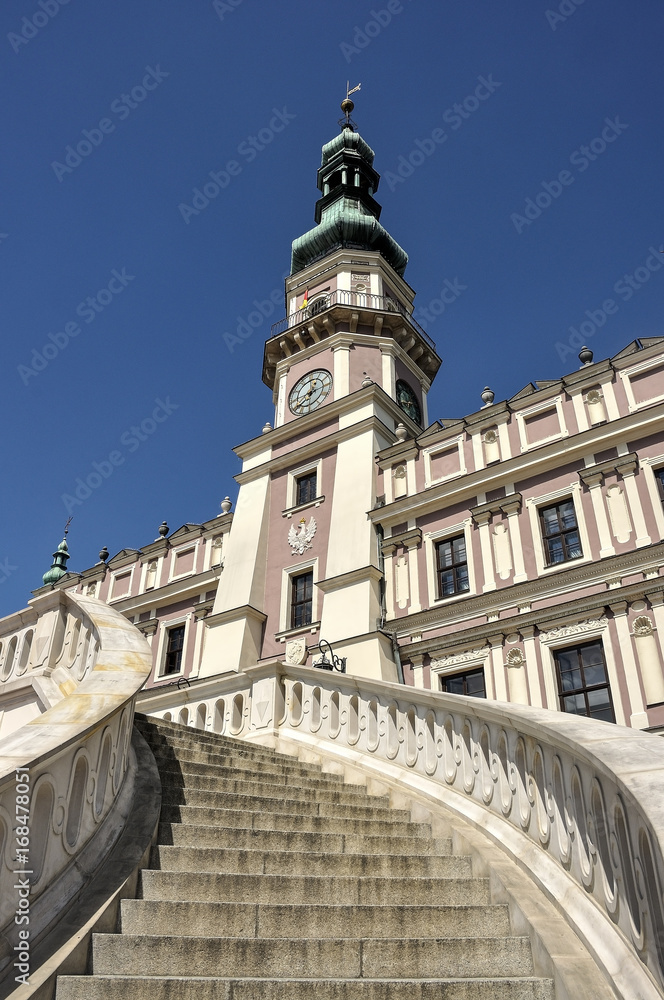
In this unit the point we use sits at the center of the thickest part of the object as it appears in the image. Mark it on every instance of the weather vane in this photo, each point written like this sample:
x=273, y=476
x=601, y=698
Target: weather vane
x=347, y=106
x=67, y=525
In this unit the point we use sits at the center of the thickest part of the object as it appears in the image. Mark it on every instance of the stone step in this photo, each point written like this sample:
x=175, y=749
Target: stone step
x=313, y=886
x=154, y=729
x=229, y=763
x=312, y=792
x=347, y=958
x=359, y=809
x=183, y=750
x=230, y=748
x=182, y=835
x=250, y=920
x=278, y=776
x=230, y=861
x=211, y=886
x=199, y=988
x=262, y=819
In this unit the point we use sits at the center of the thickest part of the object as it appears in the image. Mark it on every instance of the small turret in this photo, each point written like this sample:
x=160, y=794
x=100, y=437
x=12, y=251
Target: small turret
x=59, y=565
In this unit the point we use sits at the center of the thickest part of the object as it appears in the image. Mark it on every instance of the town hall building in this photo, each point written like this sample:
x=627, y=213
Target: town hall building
x=514, y=553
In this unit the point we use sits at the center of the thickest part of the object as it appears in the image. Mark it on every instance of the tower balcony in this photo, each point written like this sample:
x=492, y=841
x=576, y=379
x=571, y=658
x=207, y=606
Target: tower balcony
x=359, y=312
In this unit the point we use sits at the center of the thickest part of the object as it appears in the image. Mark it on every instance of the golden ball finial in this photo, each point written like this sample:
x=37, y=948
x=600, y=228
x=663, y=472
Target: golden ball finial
x=347, y=106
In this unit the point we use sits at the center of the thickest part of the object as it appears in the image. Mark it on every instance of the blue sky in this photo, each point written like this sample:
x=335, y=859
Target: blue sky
x=541, y=200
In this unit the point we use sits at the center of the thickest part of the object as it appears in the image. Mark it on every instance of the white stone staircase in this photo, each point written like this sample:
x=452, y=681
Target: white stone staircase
x=273, y=879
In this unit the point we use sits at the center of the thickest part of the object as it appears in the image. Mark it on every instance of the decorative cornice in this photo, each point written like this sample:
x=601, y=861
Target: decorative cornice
x=183, y=587
x=401, y=451
x=148, y=627
x=203, y=609
x=358, y=575
x=235, y=615
x=327, y=443
x=590, y=605
x=562, y=451
x=408, y=538
x=604, y=468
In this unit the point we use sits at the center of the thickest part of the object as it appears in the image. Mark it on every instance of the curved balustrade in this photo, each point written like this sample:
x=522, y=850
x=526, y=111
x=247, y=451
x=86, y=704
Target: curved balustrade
x=586, y=794
x=70, y=669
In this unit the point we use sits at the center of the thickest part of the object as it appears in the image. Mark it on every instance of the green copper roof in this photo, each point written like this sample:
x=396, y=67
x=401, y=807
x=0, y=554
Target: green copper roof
x=347, y=214
x=59, y=565
x=347, y=140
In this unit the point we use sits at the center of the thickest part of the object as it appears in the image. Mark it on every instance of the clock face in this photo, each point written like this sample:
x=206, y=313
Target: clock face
x=310, y=392
x=407, y=400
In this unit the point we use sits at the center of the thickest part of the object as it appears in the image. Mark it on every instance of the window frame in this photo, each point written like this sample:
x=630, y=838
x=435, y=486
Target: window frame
x=464, y=528
x=651, y=466
x=585, y=688
x=561, y=534
x=169, y=630
x=287, y=575
x=306, y=478
x=471, y=672
x=295, y=604
x=294, y=475
x=452, y=568
x=533, y=505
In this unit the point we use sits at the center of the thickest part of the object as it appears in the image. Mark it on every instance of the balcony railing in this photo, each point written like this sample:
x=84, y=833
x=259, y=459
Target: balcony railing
x=342, y=297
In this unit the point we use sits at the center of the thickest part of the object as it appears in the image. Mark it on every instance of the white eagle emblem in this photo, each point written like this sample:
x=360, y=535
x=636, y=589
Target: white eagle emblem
x=299, y=539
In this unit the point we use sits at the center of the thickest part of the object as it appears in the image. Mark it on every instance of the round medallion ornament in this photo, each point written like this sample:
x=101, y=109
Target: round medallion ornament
x=310, y=392
x=407, y=400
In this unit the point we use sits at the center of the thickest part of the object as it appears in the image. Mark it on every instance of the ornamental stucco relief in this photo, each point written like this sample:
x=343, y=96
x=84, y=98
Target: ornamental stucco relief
x=300, y=538
x=449, y=661
x=562, y=631
x=642, y=625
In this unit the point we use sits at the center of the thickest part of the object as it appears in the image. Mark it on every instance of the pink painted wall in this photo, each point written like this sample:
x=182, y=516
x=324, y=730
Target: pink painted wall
x=280, y=556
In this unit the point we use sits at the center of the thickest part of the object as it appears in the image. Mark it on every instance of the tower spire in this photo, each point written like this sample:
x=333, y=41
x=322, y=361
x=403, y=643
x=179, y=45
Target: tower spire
x=347, y=214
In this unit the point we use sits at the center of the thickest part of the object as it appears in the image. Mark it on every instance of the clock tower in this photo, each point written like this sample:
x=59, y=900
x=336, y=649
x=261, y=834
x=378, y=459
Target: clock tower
x=347, y=365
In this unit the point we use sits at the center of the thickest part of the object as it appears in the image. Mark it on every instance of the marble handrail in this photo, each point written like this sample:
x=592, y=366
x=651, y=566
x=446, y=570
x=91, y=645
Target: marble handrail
x=62, y=773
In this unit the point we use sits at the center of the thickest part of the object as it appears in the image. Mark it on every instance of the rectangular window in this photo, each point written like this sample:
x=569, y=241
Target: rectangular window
x=470, y=683
x=659, y=476
x=583, y=685
x=174, y=649
x=302, y=587
x=560, y=533
x=305, y=488
x=452, y=567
